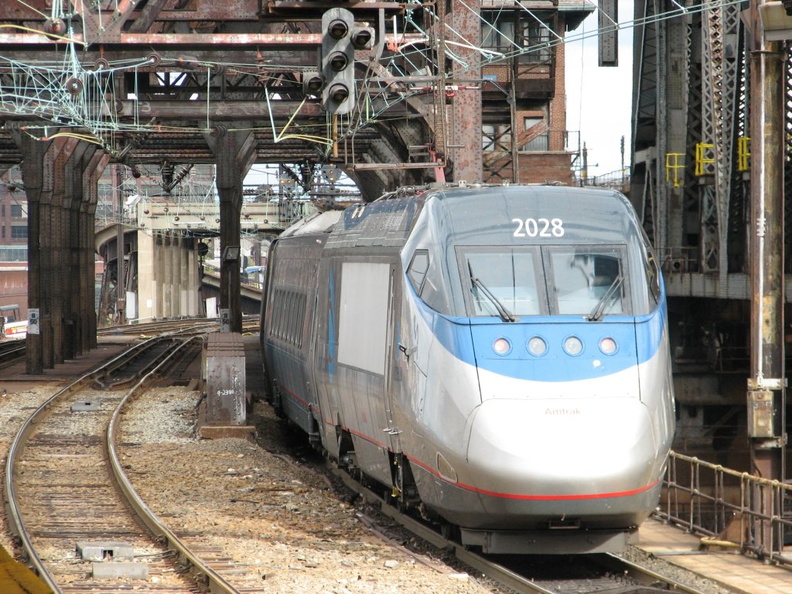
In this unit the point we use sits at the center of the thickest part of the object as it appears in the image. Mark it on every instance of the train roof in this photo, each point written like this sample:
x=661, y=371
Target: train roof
x=480, y=214
x=479, y=211
x=320, y=222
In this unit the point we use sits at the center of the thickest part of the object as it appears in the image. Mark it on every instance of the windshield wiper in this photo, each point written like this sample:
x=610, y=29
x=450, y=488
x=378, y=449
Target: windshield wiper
x=599, y=309
x=504, y=313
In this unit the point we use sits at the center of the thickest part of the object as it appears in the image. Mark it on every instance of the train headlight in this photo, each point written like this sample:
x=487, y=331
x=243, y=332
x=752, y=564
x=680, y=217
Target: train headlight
x=573, y=346
x=608, y=346
x=501, y=346
x=537, y=346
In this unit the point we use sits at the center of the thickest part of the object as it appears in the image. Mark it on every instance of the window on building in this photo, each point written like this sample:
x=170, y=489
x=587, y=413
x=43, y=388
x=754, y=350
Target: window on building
x=497, y=31
x=496, y=138
x=13, y=253
x=19, y=232
x=540, y=142
x=16, y=211
x=535, y=37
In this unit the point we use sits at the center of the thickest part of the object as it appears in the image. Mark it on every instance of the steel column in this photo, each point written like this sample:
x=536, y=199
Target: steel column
x=766, y=386
x=465, y=111
x=235, y=153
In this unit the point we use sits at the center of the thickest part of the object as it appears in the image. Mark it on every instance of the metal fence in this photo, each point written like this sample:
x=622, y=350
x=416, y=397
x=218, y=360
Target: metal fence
x=727, y=507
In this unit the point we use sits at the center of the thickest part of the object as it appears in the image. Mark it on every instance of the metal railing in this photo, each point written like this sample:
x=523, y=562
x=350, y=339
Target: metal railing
x=679, y=259
x=727, y=507
x=251, y=281
x=617, y=180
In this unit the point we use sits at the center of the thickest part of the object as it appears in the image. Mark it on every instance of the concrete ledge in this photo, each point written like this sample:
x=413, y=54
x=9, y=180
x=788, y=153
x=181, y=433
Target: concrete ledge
x=135, y=571
x=220, y=431
x=105, y=549
x=86, y=406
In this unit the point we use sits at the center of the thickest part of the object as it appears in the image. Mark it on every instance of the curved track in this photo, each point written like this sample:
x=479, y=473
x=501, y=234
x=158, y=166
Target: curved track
x=64, y=483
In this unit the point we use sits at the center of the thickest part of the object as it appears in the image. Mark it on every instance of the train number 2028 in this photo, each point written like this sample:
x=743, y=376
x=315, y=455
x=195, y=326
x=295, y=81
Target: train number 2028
x=539, y=227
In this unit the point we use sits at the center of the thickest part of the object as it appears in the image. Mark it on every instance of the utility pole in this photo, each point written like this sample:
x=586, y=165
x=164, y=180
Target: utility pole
x=767, y=385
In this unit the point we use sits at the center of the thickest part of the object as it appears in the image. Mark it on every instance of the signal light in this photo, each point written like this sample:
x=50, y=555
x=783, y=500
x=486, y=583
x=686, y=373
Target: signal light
x=338, y=61
x=361, y=38
x=338, y=28
x=338, y=94
x=312, y=83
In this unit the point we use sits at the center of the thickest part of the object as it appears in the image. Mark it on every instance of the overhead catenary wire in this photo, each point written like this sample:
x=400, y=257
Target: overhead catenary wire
x=39, y=88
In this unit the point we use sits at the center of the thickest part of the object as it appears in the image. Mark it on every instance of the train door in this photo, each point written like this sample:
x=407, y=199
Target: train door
x=323, y=359
x=392, y=377
x=364, y=310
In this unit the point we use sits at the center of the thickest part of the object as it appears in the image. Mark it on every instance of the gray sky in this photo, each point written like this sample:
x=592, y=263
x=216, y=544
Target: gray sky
x=599, y=100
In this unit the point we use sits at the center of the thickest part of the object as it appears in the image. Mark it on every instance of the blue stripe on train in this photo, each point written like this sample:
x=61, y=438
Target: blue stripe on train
x=638, y=339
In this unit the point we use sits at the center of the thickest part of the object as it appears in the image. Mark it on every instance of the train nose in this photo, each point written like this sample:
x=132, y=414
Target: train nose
x=574, y=448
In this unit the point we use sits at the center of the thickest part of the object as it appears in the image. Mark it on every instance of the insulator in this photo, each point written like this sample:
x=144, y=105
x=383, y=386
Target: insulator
x=74, y=86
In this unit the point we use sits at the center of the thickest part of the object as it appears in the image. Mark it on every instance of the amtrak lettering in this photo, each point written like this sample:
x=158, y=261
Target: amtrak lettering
x=569, y=412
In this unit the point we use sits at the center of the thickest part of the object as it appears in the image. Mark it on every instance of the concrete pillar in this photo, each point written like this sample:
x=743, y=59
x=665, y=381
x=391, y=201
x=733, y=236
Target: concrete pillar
x=178, y=276
x=184, y=282
x=193, y=282
x=147, y=273
x=167, y=281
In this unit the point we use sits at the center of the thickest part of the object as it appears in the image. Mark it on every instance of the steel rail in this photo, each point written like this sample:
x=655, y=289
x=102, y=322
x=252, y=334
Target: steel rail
x=16, y=523
x=645, y=575
x=216, y=583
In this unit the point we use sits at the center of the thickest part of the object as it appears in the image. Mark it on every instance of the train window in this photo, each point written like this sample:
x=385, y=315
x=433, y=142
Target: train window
x=587, y=281
x=653, y=274
x=502, y=279
x=288, y=316
x=416, y=271
x=651, y=268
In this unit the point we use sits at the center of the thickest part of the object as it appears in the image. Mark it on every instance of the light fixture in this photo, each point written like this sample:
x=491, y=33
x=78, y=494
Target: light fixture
x=501, y=346
x=573, y=346
x=231, y=253
x=537, y=346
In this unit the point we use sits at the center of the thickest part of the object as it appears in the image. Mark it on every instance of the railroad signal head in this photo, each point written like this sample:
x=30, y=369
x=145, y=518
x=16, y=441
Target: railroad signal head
x=362, y=37
x=337, y=27
x=338, y=61
x=312, y=83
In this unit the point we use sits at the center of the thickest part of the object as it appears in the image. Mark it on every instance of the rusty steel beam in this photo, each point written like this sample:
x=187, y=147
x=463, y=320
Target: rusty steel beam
x=216, y=41
x=217, y=110
x=169, y=59
x=230, y=10
x=283, y=41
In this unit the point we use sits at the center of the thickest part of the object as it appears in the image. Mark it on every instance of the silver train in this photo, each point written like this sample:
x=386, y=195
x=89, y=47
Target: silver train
x=494, y=356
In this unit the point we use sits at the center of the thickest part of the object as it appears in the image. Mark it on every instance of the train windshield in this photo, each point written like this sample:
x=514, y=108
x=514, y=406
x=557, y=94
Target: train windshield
x=503, y=280
x=560, y=280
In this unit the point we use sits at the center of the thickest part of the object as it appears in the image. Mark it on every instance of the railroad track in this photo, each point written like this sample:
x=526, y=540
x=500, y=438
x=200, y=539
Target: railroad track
x=11, y=351
x=64, y=483
x=581, y=574
x=250, y=323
